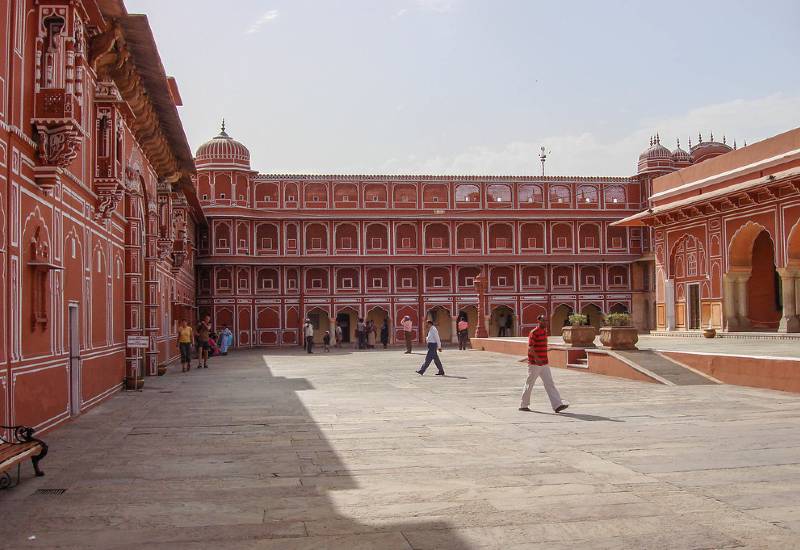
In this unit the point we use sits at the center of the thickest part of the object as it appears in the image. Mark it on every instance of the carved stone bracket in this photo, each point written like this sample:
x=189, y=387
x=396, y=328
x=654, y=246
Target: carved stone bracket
x=108, y=197
x=164, y=248
x=58, y=146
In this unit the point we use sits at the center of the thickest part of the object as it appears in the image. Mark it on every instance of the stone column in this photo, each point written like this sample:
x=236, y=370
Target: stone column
x=789, y=320
x=729, y=321
x=453, y=329
x=742, y=310
x=669, y=302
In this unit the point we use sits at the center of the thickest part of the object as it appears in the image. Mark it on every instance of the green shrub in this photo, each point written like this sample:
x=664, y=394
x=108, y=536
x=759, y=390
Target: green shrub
x=578, y=320
x=618, y=319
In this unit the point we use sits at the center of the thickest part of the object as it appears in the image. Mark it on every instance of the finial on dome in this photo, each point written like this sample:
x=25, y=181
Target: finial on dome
x=222, y=130
x=678, y=142
x=651, y=141
x=712, y=136
x=690, y=142
x=699, y=138
x=734, y=144
x=658, y=138
x=724, y=139
x=745, y=143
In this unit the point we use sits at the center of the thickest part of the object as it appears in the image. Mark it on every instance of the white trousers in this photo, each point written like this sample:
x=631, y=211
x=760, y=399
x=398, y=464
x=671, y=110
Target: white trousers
x=543, y=372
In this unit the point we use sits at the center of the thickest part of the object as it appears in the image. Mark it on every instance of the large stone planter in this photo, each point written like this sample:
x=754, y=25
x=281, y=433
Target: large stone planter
x=709, y=332
x=579, y=336
x=619, y=337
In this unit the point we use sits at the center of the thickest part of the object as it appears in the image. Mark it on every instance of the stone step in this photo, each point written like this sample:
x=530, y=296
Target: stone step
x=665, y=368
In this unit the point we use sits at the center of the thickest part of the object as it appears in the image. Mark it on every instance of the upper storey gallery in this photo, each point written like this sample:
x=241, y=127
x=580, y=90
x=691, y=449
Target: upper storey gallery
x=225, y=181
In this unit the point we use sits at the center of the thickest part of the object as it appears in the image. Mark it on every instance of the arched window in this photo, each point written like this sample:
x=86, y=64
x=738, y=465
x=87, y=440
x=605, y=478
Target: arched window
x=587, y=196
x=530, y=196
x=498, y=196
x=560, y=196
x=468, y=194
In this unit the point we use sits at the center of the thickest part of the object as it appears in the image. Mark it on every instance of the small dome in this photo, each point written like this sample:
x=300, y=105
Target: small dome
x=223, y=149
x=680, y=157
x=708, y=149
x=656, y=158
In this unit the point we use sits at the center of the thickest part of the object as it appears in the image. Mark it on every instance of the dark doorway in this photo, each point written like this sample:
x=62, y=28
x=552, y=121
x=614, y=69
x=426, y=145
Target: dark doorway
x=694, y=307
x=343, y=320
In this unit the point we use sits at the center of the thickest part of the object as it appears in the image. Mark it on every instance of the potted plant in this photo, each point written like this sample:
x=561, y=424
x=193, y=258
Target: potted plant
x=618, y=332
x=709, y=331
x=579, y=333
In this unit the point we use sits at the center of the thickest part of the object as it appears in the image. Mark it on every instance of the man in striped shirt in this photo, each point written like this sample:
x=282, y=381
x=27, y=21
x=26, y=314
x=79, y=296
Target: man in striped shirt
x=538, y=367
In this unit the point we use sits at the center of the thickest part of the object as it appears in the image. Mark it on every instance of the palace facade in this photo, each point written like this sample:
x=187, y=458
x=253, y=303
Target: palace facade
x=97, y=208
x=103, y=208
x=279, y=248
x=727, y=240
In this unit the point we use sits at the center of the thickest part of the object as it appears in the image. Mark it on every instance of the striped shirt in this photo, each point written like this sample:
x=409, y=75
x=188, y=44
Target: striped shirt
x=537, y=346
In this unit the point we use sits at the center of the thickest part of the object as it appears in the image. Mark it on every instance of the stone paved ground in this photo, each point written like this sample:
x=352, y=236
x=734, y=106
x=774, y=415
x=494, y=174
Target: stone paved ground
x=353, y=450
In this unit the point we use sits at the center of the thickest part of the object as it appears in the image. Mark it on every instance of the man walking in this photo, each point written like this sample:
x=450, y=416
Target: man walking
x=434, y=346
x=308, y=333
x=538, y=367
x=408, y=331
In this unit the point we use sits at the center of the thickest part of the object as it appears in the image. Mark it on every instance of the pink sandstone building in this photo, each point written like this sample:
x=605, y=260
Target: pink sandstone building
x=111, y=231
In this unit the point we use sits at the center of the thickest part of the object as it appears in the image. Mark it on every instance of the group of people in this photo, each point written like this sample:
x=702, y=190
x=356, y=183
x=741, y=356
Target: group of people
x=537, y=360
x=206, y=341
x=366, y=335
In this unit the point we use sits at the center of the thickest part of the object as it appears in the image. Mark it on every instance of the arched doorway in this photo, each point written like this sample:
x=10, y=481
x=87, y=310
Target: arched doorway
x=560, y=319
x=472, y=318
x=377, y=315
x=441, y=318
x=320, y=321
x=753, y=296
x=594, y=315
x=502, y=322
x=347, y=318
x=763, y=289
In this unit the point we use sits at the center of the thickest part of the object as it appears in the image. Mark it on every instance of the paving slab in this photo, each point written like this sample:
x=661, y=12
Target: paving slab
x=285, y=450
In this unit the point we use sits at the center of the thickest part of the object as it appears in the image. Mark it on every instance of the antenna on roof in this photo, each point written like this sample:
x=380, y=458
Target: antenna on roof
x=543, y=157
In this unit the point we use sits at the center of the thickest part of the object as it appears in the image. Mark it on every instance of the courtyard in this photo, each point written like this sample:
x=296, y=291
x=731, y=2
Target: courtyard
x=280, y=449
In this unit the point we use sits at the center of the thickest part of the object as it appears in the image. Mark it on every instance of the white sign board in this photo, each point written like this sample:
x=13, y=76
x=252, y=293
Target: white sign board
x=140, y=342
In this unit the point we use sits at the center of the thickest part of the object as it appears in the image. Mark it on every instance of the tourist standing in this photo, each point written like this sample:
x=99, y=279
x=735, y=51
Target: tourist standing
x=408, y=331
x=337, y=334
x=308, y=334
x=434, y=346
x=185, y=334
x=509, y=325
x=225, y=339
x=385, y=333
x=538, y=367
x=203, y=345
x=361, y=333
x=462, y=328
x=501, y=326
x=372, y=334
x=326, y=341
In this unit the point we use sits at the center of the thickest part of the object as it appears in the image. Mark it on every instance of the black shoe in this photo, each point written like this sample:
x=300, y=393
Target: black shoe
x=205, y=366
x=406, y=352
x=525, y=409
x=440, y=374
x=561, y=408
x=419, y=372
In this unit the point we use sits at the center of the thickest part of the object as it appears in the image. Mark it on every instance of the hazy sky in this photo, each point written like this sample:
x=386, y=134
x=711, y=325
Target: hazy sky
x=476, y=87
